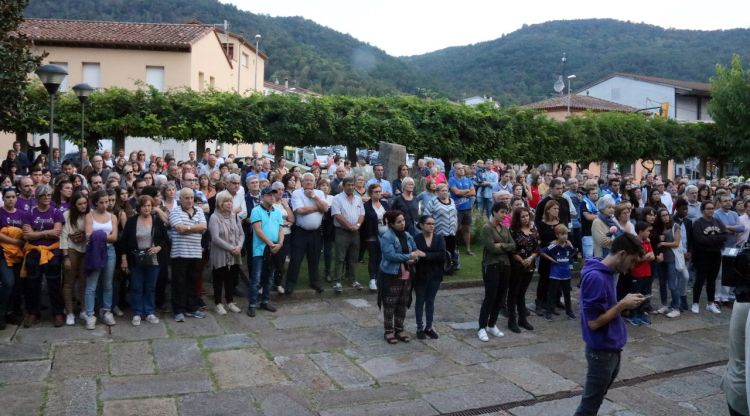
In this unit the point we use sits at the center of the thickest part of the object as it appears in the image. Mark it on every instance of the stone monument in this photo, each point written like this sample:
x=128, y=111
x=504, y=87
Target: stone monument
x=391, y=156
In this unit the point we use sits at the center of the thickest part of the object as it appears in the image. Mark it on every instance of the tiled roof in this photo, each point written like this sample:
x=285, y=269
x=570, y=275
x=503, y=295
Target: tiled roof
x=160, y=36
x=694, y=87
x=580, y=102
x=289, y=90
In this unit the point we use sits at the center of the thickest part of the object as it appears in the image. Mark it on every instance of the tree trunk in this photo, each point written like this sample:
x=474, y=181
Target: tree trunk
x=665, y=168
x=722, y=166
x=702, y=167
x=351, y=153
x=278, y=152
x=200, y=146
x=118, y=142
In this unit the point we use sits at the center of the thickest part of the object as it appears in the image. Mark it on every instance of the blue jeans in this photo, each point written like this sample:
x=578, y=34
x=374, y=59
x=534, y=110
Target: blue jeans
x=603, y=367
x=7, y=281
x=93, y=278
x=143, y=289
x=261, y=275
x=425, y=302
x=485, y=206
x=587, y=243
x=668, y=273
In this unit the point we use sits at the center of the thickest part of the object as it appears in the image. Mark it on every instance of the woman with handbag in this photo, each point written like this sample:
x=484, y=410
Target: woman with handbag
x=143, y=238
x=399, y=254
x=73, y=246
x=227, y=239
x=428, y=276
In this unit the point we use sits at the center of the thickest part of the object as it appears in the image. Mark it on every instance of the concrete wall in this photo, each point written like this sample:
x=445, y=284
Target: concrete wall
x=692, y=108
x=634, y=93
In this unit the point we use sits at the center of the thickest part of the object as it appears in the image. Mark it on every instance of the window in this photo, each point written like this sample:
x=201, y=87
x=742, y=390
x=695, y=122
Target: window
x=92, y=74
x=64, y=85
x=211, y=82
x=244, y=60
x=615, y=93
x=201, y=81
x=155, y=77
x=228, y=50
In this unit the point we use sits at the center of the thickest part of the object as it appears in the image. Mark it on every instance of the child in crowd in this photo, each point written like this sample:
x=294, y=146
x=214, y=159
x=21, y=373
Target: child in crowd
x=641, y=274
x=561, y=254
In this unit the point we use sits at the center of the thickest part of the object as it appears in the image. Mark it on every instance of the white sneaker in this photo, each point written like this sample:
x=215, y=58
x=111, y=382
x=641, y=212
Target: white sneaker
x=82, y=316
x=482, y=335
x=70, y=320
x=356, y=285
x=280, y=289
x=662, y=310
x=220, y=309
x=234, y=308
x=495, y=332
x=136, y=320
x=90, y=322
x=713, y=308
x=117, y=311
x=695, y=308
x=373, y=285
x=152, y=319
x=674, y=313
x=109, y=319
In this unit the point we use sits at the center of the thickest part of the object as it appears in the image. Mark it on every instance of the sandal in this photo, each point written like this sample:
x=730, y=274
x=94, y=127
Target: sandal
x=403, y=336
x=390, y=338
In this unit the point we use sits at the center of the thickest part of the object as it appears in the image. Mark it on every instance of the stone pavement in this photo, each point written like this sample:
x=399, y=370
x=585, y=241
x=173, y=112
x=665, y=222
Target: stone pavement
x=326, y=356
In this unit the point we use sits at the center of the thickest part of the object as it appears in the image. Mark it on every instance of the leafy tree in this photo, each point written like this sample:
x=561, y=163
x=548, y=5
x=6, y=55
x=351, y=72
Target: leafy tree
x=730, y=95
x=16, y=62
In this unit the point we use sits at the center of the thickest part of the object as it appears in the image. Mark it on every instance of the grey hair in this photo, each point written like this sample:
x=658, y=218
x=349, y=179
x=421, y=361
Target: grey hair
x=604, y=202
x=691, y=188
x=223, y=197
x=306, y=174
x=232, y=177
x=43, y=190
x=407, y=180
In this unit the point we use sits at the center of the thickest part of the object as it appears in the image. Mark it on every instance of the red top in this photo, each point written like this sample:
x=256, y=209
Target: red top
x=535, y=197
x=642, y=270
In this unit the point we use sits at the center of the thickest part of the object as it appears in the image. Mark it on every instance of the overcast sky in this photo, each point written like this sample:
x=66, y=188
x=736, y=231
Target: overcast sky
x=411, y=27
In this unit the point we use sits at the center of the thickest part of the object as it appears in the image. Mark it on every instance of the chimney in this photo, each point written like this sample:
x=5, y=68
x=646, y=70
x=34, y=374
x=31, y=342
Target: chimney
x=286, y=83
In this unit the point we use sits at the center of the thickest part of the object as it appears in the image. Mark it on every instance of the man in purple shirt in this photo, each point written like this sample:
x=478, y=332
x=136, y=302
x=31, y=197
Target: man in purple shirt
x=602, y=326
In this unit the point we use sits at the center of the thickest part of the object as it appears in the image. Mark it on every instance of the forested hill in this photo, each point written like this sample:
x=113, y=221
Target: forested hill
x=313, y=56
x=519, y=67
x=523, y=66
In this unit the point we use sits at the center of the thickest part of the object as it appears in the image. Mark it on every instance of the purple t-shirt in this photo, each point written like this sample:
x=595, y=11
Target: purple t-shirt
x=61, y=207
x=25, y=204
x=597, y=295
x=16, y=219
x=45, y=221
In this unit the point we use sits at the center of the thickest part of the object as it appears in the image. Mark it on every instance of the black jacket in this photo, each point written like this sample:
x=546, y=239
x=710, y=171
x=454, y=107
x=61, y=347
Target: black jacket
x=370, y=226
x=129, y=242
x=431, y=266
x=564, y=214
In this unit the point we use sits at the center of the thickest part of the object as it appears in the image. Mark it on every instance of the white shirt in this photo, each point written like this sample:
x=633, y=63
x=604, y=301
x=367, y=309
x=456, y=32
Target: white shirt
x=312, y=220
x=666, y=199
x=238, y=201
x=350, y=209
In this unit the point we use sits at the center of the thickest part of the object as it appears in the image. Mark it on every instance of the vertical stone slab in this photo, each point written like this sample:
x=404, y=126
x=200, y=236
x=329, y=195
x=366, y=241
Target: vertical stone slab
x=391, y=155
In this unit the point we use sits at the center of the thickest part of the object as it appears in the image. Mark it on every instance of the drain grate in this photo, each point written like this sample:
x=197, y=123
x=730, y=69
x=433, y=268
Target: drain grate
x=568, y=394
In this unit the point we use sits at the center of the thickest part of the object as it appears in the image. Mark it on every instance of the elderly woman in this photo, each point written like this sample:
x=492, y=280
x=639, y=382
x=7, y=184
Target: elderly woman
x=227, y=238
x=443, y=210
x=143, y=238
x=408, y=204
x=399, y=254
x=601, y=227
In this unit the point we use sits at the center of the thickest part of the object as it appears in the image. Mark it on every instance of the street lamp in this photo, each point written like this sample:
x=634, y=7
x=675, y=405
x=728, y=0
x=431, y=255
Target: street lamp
x=257, y=43
x=51, y=76
x=570, y=77
x=82, y=92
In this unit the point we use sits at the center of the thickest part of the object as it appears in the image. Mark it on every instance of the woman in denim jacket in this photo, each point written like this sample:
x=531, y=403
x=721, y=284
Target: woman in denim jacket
x=399, y=253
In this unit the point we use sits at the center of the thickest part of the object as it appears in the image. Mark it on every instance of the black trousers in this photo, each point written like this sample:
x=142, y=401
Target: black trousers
x=706, y=269
x=541, y=286
x=603, y=367
x=184, y=295
x=225, y=278
x=373, y=258
x=553, y=290
x=495, y=278
x=305, y=243
x=520, y=278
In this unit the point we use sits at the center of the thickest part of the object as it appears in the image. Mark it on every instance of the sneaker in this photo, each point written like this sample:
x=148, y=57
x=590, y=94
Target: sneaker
x=357, y=286
x=196, y=314
x=431, y=333
x=547, y=316
x=233, y=307
x=570, y=314
x=117, y=311
x=645, y=319
x=70, y=319
x=251, y=311
x=662, y=310
x=421, y=335
x=152, y=319
x=90, y=322
x=268, y=307
x=180, y=317
x=337, y=288
x=109, y=319
x=482, y=335
x=136, y=320
x=674, y=313
x=373, y=285
x=713, y=308
x=633, y=321
x=495, y=331
x=695, y=308
x=59, y=321
x=220, y=309
x=82, y=316
x=280, y=289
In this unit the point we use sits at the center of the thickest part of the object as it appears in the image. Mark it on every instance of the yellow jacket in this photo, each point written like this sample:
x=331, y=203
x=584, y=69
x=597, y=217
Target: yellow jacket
x=45, y=254
x=13, y=253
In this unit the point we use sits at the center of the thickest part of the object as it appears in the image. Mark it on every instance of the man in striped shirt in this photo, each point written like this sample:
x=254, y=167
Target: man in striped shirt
x=188, y=225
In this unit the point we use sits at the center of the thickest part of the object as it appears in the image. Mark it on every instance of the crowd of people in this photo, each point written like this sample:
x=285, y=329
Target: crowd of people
x=115, y=231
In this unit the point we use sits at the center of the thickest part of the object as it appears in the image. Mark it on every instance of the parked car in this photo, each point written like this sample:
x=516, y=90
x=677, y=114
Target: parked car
x=311, y=154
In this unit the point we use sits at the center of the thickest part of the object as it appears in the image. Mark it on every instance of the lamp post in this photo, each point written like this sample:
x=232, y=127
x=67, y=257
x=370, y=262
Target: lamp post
x=51, y=76
x=257, y=44
x=82, y=92
x=570, y=77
